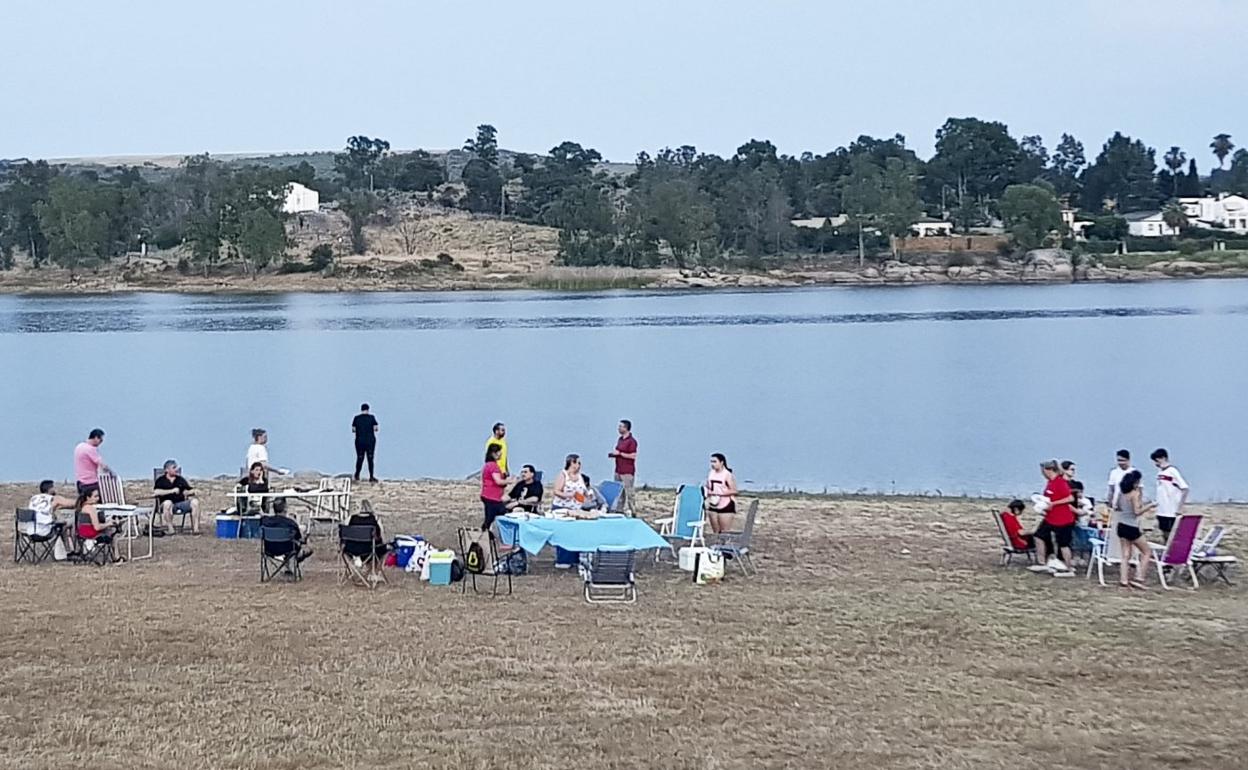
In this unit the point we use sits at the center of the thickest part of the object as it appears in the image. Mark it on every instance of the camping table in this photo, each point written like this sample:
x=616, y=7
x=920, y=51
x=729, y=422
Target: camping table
x=532, y=533
x=337, y=504
x=128, y=518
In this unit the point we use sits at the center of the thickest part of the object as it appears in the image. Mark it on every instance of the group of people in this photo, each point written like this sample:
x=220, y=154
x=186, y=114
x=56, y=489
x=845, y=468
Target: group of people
x=1064, y=507
x=574, y=492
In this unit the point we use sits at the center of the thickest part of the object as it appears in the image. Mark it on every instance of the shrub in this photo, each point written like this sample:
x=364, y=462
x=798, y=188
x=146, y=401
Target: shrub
x=445, y=259
x=959, y=259
x=1188, y=248
x=322, y=256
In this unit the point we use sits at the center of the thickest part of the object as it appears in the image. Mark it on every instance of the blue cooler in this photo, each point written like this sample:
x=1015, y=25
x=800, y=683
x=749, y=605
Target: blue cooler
x=440, y=567
x=404, y=549
x=249, y=527
x=227, y=527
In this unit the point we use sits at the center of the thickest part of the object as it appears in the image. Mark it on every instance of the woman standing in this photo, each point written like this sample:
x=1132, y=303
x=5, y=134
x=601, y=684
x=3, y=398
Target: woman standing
x=1131, y=507
x=721, y=494
x=570, y=489
x=494, y=485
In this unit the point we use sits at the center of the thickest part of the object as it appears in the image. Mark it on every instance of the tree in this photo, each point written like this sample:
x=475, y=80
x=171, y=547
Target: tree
x=75, y=219
x=359, y=207
x=1174, y=217
x=484, y=186
x=410, y=172
x=1174, y=160
x=1066, y=165
x=1121, y=177
x=485, y=145
x=1031, y=212
x=899, y=201
x=1235, y=178
x=322, y=256
x=27, y=187
x=1190, y=185
x=358, y=162
x=862, y=195
x=1033, y=159
x=1222, y=146
x=976, y=159
x=1108, y=228
x=665, y=207
x=261, y=238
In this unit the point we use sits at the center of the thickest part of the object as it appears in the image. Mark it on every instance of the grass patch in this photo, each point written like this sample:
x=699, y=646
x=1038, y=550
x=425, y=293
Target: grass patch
x=588, y=279
x=1141, y=260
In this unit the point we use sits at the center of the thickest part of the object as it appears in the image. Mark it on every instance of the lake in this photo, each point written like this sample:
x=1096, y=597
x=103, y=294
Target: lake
x=932, y=389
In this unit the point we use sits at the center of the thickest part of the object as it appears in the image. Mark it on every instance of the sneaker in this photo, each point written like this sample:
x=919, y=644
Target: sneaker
x=1054, y=565
x=1039, y=568
x=1064, y=572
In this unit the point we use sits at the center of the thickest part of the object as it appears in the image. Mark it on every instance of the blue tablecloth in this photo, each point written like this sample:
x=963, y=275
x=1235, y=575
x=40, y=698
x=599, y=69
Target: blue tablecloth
x=534, y=534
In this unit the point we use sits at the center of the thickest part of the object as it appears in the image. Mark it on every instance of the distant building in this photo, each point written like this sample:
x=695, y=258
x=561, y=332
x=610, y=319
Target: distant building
x=816, y=223
x=300, y=199
x=1075, y=226
x=1225, y=211
x=1148, y=224
x=931, y=228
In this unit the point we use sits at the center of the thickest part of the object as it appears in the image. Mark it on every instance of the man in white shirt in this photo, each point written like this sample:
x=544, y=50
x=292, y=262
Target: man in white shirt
x=1115, y=477
x=45, y=504
x=258, y=452
x=1171, y=491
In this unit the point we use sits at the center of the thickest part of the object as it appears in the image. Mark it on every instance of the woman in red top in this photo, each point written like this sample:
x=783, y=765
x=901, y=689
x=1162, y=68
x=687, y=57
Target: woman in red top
x=494, y=485
x=89, y=523
x=1059, y=523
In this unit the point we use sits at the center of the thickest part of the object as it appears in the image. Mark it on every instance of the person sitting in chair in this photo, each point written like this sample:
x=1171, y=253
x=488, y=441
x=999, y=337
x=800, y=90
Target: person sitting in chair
x=257, y=482
x=366, y=518
x=45, y=505
x=594, y=501
x=525, y=494
x=176, y=495
x=278, y=521
x=570, y=489
x=91, y=524
x=1014, y=528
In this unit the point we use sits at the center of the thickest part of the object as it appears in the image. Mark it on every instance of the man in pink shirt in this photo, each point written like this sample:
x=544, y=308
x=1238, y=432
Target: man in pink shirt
x=88, y=463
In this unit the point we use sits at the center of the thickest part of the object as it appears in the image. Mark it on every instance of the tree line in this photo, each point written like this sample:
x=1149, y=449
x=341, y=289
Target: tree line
x=677, y=205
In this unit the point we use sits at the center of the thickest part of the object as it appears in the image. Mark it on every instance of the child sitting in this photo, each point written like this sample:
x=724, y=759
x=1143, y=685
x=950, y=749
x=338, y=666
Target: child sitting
x=1084, y=506
x=1013, y=528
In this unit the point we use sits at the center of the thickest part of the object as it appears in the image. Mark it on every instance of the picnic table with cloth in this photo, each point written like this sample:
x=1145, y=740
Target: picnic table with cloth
x=533, y=533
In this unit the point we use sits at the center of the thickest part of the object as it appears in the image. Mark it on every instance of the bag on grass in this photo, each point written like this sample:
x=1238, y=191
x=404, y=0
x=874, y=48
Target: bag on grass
x=457, y=570
x=708, y=567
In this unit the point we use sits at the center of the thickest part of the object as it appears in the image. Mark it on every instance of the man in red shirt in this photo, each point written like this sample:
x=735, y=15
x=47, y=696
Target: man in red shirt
x=1013, y=527
x=1058, y=524
x=625, y=456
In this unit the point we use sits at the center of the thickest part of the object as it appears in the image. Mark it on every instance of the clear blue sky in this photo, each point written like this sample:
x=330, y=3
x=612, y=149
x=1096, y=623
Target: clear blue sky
x=85, y=77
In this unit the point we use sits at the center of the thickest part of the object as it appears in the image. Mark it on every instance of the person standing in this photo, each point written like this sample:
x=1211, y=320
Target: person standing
x=1121, y=469
x=720, y=492
x=1172, y=491
x=625, y=456
x=88, y=464
x=499, y=439
x=258, y=452
x=1131, y=507
x=1058, y=524
x=365, y=428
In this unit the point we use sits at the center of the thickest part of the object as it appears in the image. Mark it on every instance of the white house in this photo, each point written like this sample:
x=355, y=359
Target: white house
x=1225, y=211
x=300, y=199
x=1148, y=224
x=1074, y=225
x=931, y=228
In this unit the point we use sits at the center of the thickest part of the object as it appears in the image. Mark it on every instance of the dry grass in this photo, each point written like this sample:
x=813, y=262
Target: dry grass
x=842, y=652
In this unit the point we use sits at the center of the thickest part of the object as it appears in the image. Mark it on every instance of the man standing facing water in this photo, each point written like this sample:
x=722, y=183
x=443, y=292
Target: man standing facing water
x=88, y=464
x=625, y=456
x=499, y=438
x=365, y=427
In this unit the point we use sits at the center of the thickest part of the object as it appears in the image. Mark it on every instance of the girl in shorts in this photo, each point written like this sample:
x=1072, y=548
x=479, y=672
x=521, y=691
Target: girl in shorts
x=1131, y=507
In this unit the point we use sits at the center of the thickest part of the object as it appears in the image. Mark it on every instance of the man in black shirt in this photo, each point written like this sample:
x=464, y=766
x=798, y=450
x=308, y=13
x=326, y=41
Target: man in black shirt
x=364, y=426
x=526, y=494
x=176, y=496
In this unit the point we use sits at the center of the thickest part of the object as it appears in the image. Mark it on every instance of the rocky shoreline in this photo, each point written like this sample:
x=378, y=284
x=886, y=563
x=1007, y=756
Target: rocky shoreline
x=1041, y=267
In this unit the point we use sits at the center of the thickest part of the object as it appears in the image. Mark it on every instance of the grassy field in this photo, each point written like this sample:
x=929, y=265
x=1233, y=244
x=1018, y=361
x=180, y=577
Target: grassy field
x=879, y=633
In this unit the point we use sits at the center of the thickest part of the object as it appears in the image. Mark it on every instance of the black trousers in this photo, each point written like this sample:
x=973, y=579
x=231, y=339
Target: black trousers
x=363, y=451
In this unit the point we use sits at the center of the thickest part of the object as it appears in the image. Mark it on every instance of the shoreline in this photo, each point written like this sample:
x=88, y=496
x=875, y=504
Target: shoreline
x=642, y=280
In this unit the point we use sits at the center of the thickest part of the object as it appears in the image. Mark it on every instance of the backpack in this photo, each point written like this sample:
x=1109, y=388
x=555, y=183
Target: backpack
x=457, y=570
x=474, y=559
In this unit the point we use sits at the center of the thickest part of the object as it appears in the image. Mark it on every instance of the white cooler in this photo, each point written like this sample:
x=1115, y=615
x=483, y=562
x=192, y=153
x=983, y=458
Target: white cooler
x=688, y=556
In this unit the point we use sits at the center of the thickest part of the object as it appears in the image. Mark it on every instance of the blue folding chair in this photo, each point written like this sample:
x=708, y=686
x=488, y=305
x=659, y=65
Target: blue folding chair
x=687, y=519
x=610, y=492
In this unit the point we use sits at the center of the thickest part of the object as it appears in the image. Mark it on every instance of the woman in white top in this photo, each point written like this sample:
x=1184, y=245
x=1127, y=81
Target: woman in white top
x=570, y=490
x=258, y=452
x=721, y=494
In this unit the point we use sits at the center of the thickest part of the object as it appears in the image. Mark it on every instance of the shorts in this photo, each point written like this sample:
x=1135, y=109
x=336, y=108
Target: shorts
x=1128, y=532
x=731, y=507
x=86, y=489
x=1165, y=524
x=1061, y=537
x=182, y=507
x=493, y=509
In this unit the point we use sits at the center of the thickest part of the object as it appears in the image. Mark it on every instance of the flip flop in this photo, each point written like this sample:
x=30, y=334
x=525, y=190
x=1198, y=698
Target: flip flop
x=1138, y=585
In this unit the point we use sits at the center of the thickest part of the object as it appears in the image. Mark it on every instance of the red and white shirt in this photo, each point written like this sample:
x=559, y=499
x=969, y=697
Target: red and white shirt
x=1170, y=488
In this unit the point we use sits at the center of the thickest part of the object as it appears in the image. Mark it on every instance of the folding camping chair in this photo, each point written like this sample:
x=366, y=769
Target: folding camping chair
x=99, y=550
x=610, y=491
x=28, y=546
x=736, y=545
x=1178, y=550
x=1008, y=550
x=609, y=576
x=487, y=566
x=361, y=563
x=279, y=553
x=686, y=522
x=156, y=504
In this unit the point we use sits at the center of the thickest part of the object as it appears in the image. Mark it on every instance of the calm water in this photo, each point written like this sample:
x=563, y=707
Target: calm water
x=950, y=389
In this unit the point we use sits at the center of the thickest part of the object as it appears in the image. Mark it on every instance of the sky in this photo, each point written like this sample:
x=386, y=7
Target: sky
x=153, y=77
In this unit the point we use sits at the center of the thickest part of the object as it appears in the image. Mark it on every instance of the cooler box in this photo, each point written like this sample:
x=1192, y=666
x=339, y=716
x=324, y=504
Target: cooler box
x=404, y=547
x=688, y=556
x=227, y=527
x=249, y=527
x=440, y=567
